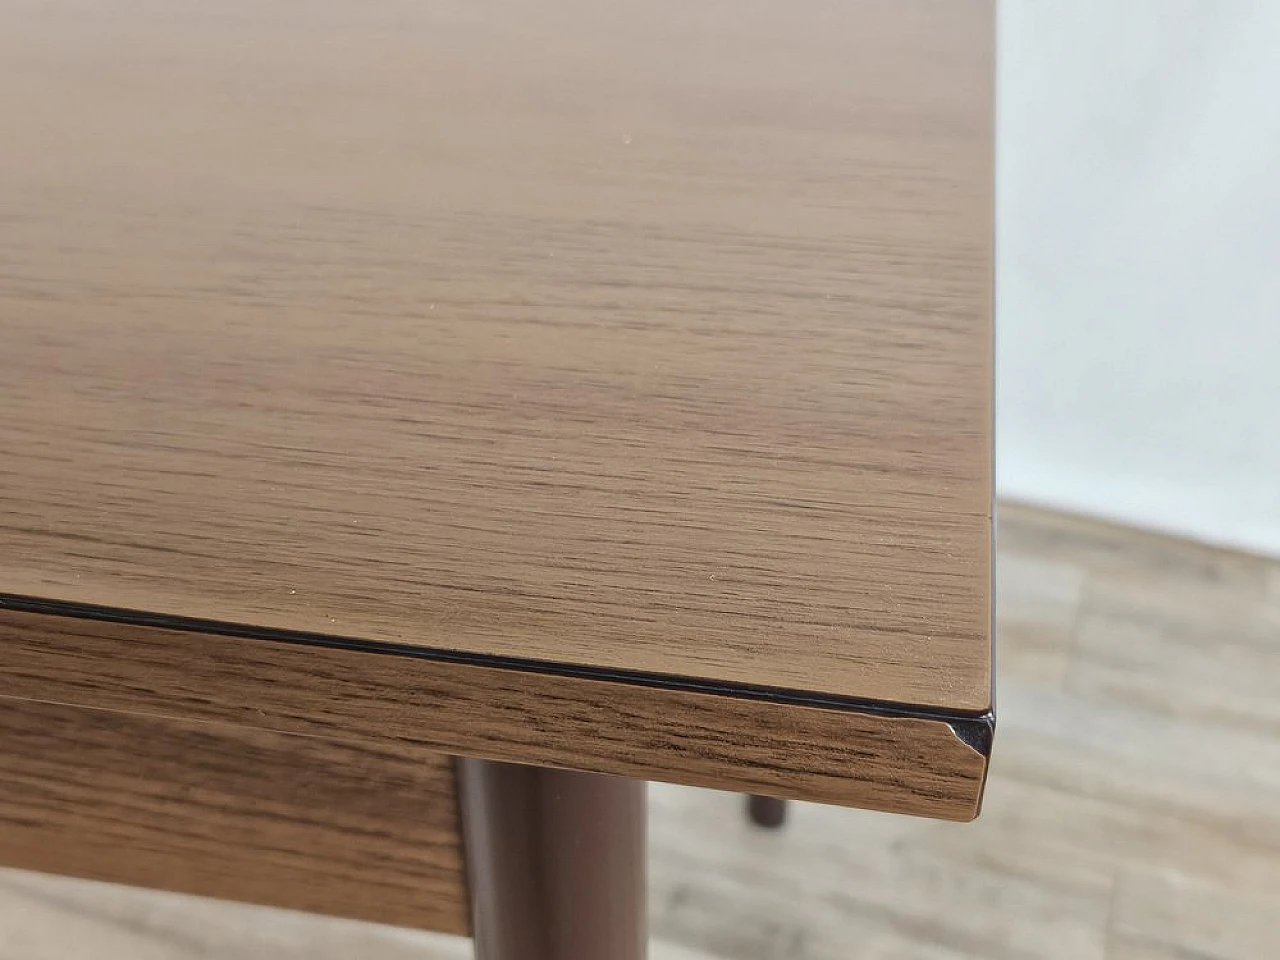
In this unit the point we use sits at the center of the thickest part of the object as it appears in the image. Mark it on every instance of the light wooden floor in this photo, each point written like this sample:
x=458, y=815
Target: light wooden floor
x=1133, y=811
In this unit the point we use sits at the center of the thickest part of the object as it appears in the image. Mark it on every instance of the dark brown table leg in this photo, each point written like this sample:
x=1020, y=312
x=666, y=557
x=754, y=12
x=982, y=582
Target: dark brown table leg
x=556, y=863
x=766, y=811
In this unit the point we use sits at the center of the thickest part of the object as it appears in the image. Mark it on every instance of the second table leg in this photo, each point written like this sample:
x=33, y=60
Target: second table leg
x=768, y=812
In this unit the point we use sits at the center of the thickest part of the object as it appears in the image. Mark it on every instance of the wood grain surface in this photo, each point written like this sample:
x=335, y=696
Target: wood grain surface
x=353, y=829
x=906, y=764
x=647, y=336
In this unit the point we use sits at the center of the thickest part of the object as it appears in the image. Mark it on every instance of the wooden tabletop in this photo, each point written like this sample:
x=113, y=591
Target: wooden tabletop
x=639, y=347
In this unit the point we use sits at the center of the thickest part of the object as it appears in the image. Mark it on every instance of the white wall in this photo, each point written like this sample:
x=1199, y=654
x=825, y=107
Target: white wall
x=1138, y=266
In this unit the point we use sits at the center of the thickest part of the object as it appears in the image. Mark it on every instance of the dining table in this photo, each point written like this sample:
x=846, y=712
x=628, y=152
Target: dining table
x=423, y=422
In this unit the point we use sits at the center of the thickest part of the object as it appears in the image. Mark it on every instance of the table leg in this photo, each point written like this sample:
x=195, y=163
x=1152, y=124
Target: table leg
x=766, y=811
x=556, y=862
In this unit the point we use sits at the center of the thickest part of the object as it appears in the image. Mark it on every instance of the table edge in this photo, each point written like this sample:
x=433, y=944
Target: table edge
x=887, y=756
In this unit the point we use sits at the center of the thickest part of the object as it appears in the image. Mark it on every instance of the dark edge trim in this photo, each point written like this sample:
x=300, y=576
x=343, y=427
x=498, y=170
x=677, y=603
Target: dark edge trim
x=985, y=739
x=974, y=729
x=976, y=732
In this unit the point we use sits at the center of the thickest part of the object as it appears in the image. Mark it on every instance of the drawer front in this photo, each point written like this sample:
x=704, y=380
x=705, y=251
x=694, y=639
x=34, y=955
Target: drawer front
x=362, y=830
